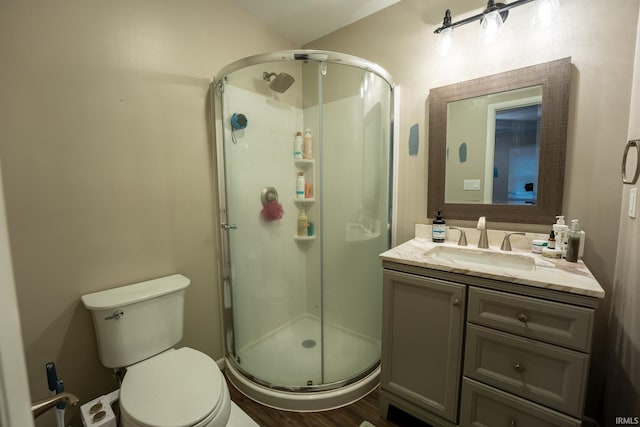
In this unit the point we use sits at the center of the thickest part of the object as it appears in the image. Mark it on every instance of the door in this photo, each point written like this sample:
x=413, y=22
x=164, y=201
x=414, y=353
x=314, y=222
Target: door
x=15, y=406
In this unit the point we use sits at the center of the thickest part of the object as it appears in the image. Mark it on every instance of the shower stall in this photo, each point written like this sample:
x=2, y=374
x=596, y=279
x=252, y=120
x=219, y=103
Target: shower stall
x=302, y=283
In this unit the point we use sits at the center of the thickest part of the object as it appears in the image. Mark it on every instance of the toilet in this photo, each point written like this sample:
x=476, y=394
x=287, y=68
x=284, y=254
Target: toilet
x=136, y=328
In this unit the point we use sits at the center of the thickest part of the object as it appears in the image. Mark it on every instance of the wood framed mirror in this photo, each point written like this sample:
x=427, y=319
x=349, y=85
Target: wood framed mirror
x=551, y=133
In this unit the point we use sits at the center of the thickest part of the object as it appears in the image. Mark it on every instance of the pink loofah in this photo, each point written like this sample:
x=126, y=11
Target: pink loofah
x=272, y=211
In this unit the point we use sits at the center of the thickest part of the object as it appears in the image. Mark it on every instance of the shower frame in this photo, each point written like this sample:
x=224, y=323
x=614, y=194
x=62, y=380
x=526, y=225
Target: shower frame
x=298, y=398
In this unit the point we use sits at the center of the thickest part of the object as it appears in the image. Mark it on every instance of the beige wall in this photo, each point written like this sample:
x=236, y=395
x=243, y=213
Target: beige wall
x=105, y=144
x=106, y=163
x=400, y=38
x=622, y=391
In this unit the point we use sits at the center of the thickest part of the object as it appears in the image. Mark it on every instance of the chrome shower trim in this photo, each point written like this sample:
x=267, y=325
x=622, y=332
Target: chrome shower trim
x=306, y=55
x=302, y=389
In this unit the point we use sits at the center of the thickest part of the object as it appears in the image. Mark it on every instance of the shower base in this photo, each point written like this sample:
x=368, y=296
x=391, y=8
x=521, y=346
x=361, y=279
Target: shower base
x=289, y=357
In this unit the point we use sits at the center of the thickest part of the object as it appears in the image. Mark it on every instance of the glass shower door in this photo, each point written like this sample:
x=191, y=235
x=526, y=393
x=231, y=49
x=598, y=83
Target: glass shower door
x=355, y=215
x=275, y=340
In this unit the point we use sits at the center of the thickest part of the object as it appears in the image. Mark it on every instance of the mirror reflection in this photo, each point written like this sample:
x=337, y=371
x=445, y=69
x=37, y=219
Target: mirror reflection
x=493, y=158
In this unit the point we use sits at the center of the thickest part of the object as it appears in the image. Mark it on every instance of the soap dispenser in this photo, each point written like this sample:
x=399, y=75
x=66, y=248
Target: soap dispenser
x=438, y=230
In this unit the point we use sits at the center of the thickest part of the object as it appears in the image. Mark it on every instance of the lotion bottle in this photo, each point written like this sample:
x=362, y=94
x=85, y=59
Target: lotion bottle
x=438, y=229
x=307, y=151
x=561, y=231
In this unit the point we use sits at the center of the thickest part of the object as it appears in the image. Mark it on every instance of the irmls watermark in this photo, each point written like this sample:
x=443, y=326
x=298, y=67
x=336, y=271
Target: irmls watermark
x=627, y=421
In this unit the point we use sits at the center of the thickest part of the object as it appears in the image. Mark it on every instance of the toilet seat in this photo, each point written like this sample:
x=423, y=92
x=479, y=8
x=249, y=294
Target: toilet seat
x=177, y=388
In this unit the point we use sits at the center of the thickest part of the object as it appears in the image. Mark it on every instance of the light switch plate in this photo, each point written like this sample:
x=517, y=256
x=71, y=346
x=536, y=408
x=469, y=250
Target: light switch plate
x=633, y=197
x=472, y=184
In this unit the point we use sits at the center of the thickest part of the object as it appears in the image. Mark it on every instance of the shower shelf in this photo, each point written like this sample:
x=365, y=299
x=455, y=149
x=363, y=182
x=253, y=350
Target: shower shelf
x=302, y=238
x=303, y=162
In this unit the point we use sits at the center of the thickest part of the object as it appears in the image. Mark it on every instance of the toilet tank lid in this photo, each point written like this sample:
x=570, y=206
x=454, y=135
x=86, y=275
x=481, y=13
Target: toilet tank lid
x=137, y=292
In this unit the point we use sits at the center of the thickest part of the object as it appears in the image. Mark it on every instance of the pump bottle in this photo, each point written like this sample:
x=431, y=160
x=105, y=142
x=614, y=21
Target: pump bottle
x=438, y=230
x=573, y=244
x=561, y=231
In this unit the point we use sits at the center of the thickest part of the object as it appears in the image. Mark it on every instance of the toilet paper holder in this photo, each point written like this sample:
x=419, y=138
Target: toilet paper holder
x=98, y=412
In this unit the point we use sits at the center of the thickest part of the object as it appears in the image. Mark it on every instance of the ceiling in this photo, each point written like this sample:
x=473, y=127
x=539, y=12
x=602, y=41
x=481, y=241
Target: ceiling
x=303, y=21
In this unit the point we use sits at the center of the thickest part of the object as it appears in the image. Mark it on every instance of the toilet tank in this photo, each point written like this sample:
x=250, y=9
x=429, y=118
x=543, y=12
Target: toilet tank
x=137, y=321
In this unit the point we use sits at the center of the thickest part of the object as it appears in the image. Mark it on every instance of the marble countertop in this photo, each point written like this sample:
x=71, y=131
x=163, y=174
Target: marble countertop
x=557, y=274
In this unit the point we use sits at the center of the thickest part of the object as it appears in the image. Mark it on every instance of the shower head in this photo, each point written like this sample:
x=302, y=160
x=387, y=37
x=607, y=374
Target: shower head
x=280, y=83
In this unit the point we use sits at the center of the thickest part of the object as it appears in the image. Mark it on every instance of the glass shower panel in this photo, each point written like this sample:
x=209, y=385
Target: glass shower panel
x=276, y=337
x=355, y=174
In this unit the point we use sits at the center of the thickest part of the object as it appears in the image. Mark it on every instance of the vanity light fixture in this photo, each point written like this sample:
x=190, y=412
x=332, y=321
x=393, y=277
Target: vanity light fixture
x=491, y=20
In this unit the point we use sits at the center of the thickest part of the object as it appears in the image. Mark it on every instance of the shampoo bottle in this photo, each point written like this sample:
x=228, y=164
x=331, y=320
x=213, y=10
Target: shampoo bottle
x=297, y=146
x=307, y=151
x=438, y=229
x=573, y=243
x=302, y=223
x=561, y=231
x=300, y=186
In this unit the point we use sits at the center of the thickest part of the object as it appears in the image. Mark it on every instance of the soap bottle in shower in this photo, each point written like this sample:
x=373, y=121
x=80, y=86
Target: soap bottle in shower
x=307, y=152
x=300, y=183
x=302, y=223
x=297, y=146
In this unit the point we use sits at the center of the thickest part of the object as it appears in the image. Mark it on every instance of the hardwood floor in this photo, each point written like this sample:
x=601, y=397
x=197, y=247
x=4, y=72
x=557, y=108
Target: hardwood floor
x=352, y=415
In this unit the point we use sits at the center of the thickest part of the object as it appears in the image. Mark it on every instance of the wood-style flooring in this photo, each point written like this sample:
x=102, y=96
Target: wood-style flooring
x=366, y=409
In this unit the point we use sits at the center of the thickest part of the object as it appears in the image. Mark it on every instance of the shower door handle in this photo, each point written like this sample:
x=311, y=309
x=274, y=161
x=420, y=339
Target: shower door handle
x=229, y=226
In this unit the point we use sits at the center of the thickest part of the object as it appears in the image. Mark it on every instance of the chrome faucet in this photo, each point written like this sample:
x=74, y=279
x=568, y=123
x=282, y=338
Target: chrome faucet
x=40, y=407
x=506, y=243
x=462, y=241
x=483, y=242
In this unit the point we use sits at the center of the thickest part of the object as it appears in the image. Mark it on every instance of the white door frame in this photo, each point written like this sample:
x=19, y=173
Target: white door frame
x=15, y=401
x=492, y=109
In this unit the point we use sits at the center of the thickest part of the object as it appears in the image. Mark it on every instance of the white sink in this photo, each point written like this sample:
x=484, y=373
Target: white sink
x=476, y=257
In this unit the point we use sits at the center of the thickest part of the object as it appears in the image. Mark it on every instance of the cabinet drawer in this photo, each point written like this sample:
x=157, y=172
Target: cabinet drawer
x=485, y=406
x=545, y=373
x=548, y=321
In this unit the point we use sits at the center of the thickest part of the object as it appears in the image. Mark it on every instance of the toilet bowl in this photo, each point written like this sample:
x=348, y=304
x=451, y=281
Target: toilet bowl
x=177, y=388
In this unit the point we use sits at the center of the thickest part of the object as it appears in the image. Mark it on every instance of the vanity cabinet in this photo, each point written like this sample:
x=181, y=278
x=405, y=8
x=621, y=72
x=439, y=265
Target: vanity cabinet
x=517, y=356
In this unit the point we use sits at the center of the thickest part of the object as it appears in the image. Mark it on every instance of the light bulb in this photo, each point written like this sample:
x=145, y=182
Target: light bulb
x=444, y=41
x=547, y=12
x=490, y=26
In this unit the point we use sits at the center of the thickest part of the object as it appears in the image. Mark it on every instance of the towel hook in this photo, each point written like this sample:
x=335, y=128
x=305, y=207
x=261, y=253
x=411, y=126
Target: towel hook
x=625, y=180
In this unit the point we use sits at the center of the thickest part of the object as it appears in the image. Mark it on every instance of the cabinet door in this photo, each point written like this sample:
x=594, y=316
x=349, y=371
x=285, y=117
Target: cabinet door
x=422, y=331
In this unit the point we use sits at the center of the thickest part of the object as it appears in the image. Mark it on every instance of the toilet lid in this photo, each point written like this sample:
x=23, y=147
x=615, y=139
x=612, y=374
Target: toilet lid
x=176, y=388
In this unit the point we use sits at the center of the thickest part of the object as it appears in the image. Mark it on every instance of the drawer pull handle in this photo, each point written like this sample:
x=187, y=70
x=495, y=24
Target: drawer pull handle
x=523, y=318
x=518, y=367
x=456, y=302
x=513, y=423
